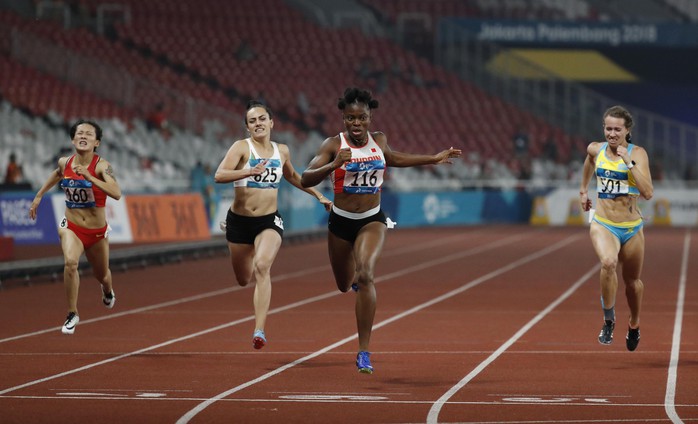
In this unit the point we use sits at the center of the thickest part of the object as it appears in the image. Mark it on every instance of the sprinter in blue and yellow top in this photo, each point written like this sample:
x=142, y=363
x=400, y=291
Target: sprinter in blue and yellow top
x=622, y=175
x=253, y=227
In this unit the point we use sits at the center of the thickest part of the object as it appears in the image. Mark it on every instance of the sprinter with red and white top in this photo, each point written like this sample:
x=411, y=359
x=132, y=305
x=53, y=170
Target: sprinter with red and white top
x=87, y=179
x=356, y=160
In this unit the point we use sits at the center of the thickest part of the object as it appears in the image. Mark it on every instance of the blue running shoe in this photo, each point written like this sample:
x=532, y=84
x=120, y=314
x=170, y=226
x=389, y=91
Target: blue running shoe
x=363, y=362
x=606, y=334
x=258, y=339
x=355, y=287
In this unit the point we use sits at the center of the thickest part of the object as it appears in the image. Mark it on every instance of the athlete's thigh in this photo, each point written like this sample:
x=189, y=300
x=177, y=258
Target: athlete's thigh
x=369, y=244
x=632, y=254
x=341, y=259
x=98, y=256
x=241, y=255
x=70, y=244
x=604, y=242
x=267, y=245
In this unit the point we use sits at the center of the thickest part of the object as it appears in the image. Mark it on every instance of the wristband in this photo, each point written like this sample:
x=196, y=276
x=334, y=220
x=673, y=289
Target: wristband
x=631, y=164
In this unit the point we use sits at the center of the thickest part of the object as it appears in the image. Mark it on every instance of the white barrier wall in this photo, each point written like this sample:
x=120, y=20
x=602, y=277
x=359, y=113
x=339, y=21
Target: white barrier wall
x=676, y=207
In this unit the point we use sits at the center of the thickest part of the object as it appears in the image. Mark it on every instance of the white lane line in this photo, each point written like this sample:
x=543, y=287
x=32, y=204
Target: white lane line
x=670, y=394
x=363, y=399
x=404, y=271
x=131, y=311
x=289, y=275
x=433, y=415
x=203, y=405
x=382, y=352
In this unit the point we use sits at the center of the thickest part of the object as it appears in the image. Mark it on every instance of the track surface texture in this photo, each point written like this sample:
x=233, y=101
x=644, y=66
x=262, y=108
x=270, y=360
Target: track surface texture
x=474, y=325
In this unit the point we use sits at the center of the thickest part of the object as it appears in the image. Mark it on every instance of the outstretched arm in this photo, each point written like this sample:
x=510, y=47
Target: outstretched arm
x=53, y=179
x=402, y=160
x=295, y=179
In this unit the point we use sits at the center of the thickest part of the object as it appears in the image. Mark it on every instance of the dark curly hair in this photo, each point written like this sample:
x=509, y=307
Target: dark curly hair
x=357, y=95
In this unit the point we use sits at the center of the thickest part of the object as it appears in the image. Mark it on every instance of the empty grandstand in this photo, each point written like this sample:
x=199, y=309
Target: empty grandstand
x=439, y=84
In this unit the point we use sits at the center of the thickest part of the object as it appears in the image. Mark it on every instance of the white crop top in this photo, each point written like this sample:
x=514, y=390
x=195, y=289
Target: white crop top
x=271, y=177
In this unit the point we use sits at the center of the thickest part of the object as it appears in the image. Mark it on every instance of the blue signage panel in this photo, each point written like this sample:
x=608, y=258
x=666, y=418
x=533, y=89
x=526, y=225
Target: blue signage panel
x=15, y=221
x=439, y=208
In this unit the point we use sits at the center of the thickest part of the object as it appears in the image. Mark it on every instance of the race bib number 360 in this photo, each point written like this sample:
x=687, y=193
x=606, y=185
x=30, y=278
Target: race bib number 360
x=78, y=193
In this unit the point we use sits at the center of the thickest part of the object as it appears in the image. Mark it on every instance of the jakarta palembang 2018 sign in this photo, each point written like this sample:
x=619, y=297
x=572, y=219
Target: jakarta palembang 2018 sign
x=558, y=33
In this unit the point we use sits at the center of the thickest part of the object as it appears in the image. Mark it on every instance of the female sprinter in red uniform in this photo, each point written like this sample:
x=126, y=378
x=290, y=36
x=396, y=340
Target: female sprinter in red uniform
x=356, y=159
x=87, y=180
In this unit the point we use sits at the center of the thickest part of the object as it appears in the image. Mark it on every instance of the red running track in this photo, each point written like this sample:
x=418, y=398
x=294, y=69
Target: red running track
x=475, y=324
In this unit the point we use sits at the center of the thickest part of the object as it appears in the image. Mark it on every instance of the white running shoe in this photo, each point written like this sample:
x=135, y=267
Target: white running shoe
x=70, y=322
x=109, y=300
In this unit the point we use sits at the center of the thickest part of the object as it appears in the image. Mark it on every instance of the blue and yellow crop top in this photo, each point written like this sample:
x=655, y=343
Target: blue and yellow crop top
x=613, y=178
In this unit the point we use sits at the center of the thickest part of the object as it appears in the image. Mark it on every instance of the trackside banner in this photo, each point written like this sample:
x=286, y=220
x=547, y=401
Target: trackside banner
x=167, y=217
x=15, y=221
x=572, y=34
x=669, y=207
x=133, y=218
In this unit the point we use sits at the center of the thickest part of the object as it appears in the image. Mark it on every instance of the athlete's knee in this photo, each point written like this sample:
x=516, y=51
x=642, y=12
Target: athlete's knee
x=609, y=263
x=262, y=266
x=633, y=284
x=343, y=283
x=71, y=265
x=243, y=280
x=243, y=277
x=364, y=276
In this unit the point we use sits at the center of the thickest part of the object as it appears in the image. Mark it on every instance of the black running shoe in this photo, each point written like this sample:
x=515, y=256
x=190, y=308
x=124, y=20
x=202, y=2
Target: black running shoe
x=632, y=338
x=606, y=334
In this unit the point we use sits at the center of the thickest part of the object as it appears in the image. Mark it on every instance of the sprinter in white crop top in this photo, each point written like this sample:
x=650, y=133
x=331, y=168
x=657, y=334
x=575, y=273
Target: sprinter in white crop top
x=254, y=228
